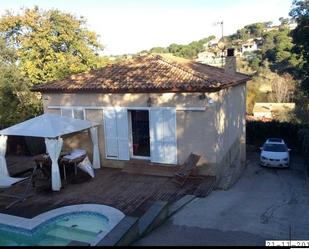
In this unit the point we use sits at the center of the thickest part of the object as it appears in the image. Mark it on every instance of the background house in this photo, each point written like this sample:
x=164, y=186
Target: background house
x=249, y=46
x=272, y=110
x=158, y=108
x=210, y=58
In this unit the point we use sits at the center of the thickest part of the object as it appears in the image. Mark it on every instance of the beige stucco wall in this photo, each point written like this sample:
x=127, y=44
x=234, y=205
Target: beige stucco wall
x=231, y=126
x=128, y=100
x=201, y=132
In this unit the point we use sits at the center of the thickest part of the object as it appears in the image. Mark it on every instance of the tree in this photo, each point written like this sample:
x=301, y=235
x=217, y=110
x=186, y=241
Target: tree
x=254, y=94
x=50, y=44
x=268, y=86
x=17, y=103
x=189, y=51
x=158, y=50
x=282, y=88
x=277, y=48
x=300, y=35
x=284, y=21
x=253, y=30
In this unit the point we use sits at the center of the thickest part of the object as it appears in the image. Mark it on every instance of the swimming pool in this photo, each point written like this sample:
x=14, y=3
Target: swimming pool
x=59, y=227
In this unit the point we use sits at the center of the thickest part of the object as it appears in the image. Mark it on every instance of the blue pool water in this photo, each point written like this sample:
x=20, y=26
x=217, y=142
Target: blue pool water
x=60, y=231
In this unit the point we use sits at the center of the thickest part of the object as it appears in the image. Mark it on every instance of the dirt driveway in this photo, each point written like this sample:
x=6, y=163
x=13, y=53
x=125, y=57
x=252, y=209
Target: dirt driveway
x=265, y=204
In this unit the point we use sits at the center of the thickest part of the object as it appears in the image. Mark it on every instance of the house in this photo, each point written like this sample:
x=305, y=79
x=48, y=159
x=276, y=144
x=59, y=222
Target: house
x=249, y=46
x=210, y=58
x=272, y=110
x=158, y=109
x=291, y=26
x=271, y=28
x=212, y=43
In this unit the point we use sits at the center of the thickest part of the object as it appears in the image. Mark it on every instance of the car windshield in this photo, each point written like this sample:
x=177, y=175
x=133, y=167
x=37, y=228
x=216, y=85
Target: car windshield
x=278, y=140
x=275, y=147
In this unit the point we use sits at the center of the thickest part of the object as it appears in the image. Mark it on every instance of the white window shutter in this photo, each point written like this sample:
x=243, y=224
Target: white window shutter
x=116, y=133
x=156, y=135
x=123, y=134
x=169, y=130
x=163, y=143
x=110, y=132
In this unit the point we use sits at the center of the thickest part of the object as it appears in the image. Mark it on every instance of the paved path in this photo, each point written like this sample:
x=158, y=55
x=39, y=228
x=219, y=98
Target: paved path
x=265, y=204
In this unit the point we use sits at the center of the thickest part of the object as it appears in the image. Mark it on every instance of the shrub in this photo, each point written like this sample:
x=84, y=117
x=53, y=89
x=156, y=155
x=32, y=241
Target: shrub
x=257, y=132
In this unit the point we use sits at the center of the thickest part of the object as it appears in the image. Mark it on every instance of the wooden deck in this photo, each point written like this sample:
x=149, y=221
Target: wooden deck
x=143, y=167
x=130, y=193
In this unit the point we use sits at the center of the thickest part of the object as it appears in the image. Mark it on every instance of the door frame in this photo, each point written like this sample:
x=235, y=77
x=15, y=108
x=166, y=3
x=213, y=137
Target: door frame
x=131, y=135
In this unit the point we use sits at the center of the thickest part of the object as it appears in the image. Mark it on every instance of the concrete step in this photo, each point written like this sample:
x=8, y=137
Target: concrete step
x=71, y=233
x=8, y=242
x=53, y=241
x=176, y=206
x=123, y=234
x=157, y=213
x=83, y=224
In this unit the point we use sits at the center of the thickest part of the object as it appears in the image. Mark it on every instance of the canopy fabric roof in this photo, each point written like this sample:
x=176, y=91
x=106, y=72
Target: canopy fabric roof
x=48, y=126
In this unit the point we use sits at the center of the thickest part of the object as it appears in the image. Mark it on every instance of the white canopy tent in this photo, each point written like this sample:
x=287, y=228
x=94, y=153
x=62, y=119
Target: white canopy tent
x=51, y=127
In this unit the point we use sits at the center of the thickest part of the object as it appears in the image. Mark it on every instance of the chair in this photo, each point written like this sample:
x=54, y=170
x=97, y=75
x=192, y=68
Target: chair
x=8, y=181
x=186, y=169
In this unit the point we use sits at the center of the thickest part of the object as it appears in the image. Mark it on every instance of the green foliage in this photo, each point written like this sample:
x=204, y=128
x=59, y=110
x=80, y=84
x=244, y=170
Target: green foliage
x=255, y=62
x=50, y=44
x=158, y=50
x=253, y=30
x=254, y=95
x=188, y=51
x=17, y=103
x=38, y=46
x=276, y=46
x=277, y=49
x=301, y=99
x=268, y=86
x=300, y=34
x=258, y=132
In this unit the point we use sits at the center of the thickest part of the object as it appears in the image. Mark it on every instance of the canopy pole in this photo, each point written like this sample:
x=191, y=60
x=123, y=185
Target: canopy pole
x=3, y=165
x=53, y=148
x=96, y=152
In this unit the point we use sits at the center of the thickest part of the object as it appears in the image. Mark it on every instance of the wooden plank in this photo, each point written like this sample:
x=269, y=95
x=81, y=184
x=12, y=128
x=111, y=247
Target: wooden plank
x=146, y=168
x=130, y=193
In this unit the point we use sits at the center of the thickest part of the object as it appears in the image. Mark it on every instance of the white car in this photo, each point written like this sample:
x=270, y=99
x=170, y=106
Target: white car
x=275, y=153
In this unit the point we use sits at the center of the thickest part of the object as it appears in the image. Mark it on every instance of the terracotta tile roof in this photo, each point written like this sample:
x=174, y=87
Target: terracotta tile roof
x=149, y=73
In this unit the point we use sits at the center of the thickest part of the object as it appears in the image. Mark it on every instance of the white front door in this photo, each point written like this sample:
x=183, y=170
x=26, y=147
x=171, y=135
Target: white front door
x=162, y=126
x=163, y=144
x=140, y=137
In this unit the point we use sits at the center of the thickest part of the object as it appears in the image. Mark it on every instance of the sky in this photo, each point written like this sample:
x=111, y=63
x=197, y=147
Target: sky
x=130, y=26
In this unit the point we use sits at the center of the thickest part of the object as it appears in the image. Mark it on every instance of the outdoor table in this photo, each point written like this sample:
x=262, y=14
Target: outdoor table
x=74, y=161
x=44, y=159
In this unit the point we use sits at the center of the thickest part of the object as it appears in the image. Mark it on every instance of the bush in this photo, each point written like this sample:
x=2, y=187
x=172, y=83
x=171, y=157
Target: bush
x=258, y=132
